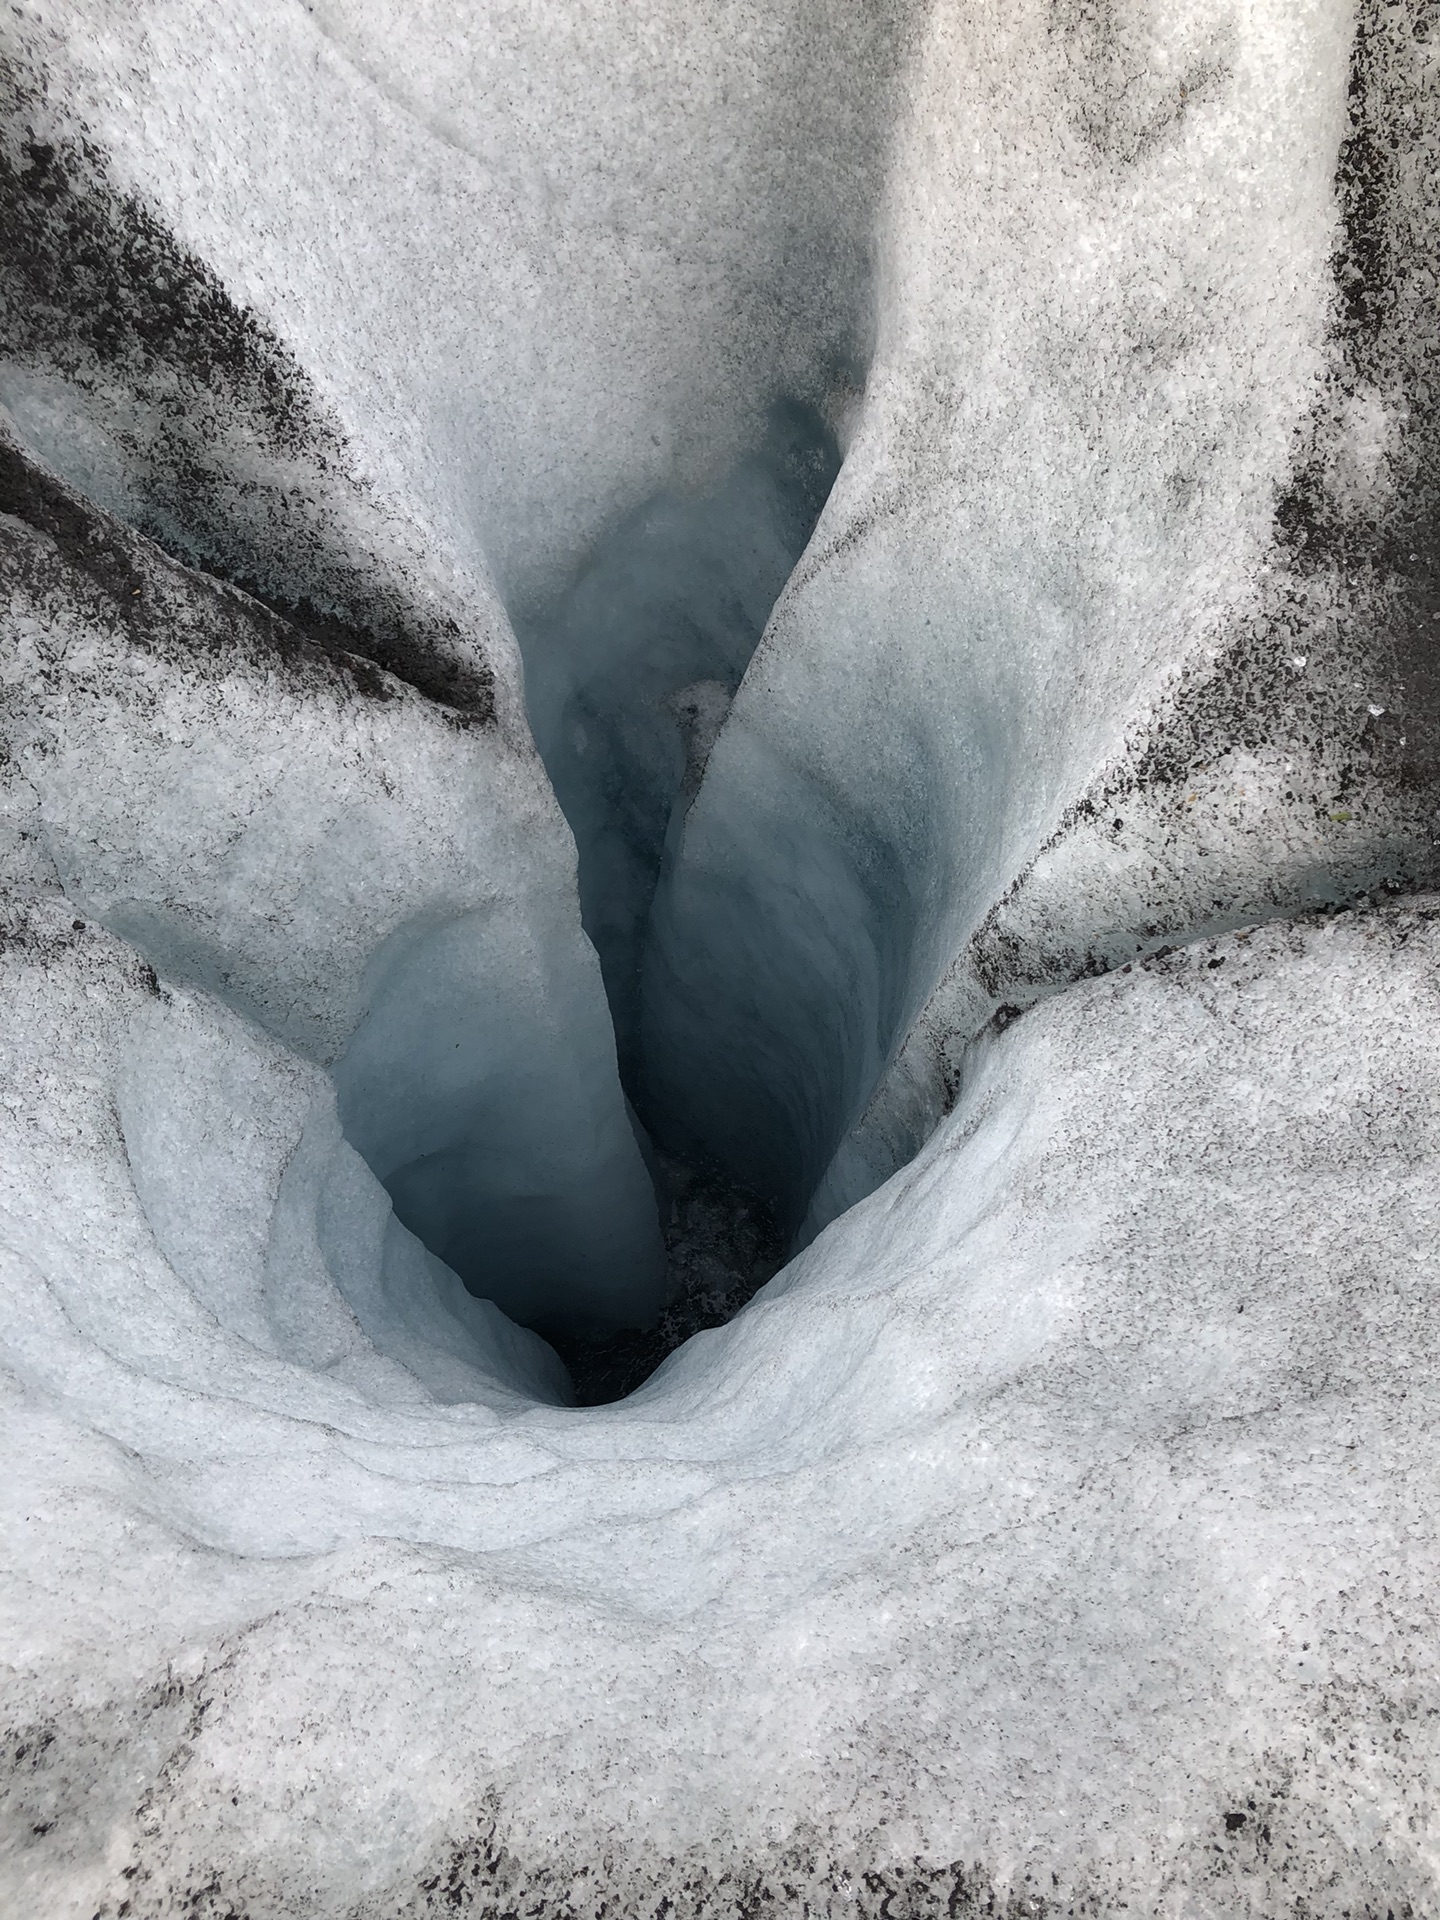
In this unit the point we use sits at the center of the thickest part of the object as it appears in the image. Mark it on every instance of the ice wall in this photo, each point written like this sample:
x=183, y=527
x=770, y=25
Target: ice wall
x=1114, y=626
x=629, y=678
x=480, y=1086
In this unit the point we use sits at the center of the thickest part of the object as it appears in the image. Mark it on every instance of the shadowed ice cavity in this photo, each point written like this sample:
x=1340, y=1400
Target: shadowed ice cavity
x=465, y=1098
x=482, y=1093
x=775, y=975
x=483, y=1100
x=630, y=676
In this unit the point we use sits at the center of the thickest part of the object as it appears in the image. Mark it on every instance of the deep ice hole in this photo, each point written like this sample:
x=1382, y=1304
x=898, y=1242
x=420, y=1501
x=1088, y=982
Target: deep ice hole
x=458, y=1110
x=460, y=1099
x=475, y=1086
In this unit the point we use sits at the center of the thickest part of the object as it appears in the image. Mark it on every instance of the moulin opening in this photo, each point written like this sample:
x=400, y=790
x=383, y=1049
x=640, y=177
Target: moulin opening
x=615, y=1246
x=460, y=1107
x=629, y=676
x=491, y=1117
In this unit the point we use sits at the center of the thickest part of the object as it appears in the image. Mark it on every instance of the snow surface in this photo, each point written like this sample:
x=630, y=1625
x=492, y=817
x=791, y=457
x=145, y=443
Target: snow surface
x=1056, y=1532
x=1070, y=1498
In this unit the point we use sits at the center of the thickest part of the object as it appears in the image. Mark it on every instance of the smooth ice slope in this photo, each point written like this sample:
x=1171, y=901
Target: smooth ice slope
x=268, y=1216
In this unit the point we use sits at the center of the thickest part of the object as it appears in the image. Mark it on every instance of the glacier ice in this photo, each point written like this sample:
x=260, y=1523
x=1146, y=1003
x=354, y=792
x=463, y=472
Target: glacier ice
x=611, y=611
x=347, y=853
x=1076, y=1482
x=629, y=677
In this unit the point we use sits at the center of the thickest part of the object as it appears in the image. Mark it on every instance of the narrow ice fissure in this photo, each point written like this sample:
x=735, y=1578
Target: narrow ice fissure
x=460, y=1098
x=629, y=676
x=630, y=671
